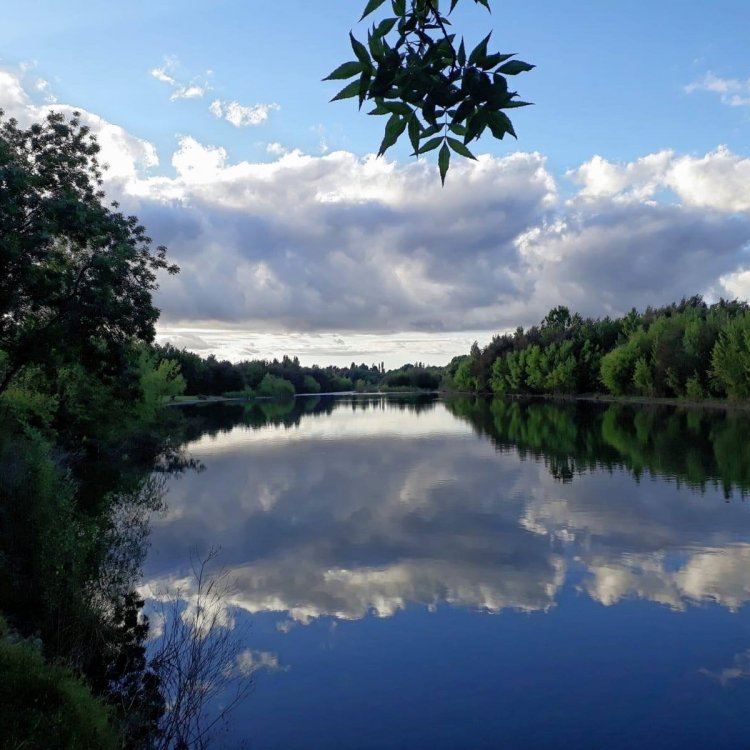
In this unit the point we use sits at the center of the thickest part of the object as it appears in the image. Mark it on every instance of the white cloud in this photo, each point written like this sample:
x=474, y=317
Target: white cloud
x=128, y=157
x=276, y=149
x=240, y=115
x=736, y=284
x=249, y=662
x=739, y=670
x=193, y=89
x=340, y=243
x=711, y=575
x=732, y=91
x=718, y=180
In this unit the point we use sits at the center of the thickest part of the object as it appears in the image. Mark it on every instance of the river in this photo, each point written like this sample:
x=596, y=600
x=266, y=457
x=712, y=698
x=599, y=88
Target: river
x=421, y=573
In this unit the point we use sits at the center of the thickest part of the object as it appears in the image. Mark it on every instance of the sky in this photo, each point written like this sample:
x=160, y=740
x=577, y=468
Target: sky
x=629, y=184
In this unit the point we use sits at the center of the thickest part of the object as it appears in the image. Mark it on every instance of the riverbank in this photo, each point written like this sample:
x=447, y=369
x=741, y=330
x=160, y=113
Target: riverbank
x=718, y=404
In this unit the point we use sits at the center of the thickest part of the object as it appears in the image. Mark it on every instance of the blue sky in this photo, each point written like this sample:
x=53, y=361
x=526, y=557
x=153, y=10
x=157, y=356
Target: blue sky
x=619, y=82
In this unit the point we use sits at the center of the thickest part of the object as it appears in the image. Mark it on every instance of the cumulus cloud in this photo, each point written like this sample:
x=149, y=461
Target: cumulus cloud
x=128, y=158
x=239, y=115
x=341, y=243
x=732, y=91
x=195, y=88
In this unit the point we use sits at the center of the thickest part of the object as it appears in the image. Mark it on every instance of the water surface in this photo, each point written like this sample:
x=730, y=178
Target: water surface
x=419, y=573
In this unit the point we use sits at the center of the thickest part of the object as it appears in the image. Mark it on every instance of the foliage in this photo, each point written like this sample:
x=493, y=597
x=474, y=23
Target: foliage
x=618, y=367
x=66, y=574
x=45, y=705
x=77, y=276
x=310, y=385
x=731, y=358
x=159, y=380
x=687, y=350
x=413, y=377
x=419, y=76
x=210, y=376
x=275, y=387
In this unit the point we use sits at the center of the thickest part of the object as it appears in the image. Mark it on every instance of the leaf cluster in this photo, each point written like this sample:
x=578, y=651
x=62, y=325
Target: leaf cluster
x=417, y=74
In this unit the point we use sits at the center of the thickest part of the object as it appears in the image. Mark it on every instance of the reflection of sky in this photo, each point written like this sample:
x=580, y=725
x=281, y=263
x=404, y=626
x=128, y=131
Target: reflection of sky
x=412, y=518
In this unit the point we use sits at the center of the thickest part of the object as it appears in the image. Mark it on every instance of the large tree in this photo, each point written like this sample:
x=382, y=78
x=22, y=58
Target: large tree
x=76, y=275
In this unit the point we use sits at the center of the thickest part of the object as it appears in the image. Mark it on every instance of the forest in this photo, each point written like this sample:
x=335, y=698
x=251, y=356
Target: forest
x=209, y=376
x=686, y=350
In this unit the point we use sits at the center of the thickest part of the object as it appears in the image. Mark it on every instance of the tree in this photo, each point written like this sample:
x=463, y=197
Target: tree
x=414, y=73
x=76, y=276
x=731, y=358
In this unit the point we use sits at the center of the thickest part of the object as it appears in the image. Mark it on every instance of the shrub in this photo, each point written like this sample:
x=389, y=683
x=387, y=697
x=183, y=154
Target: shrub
x=46, y=705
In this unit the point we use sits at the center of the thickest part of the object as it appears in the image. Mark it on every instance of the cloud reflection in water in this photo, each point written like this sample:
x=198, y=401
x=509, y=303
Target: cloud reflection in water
x=350, y=514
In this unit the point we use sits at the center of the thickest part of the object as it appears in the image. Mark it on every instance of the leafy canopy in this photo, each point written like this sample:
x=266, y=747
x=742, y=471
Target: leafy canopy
x=427, y=86
x=76, y=275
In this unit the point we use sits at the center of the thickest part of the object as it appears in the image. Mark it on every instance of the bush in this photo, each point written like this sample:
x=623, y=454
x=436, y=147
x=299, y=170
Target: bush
x=46, y=705
x=275, y=387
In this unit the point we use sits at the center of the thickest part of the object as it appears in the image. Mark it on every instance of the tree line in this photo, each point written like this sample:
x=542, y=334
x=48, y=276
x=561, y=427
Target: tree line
x=209, y=376
x=689, y=349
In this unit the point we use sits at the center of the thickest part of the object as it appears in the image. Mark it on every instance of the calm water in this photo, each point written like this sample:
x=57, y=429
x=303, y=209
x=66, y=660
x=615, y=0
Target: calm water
x=471, y=574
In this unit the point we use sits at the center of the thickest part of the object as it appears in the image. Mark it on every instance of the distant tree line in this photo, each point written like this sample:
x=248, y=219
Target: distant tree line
x=210, y=376
x=687, y=350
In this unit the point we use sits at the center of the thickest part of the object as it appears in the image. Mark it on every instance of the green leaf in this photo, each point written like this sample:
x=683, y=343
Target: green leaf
x=480, y=51
x=348, y=91
x=385, y=26
x=361, y=52
x=431, y=131
x=371, y=6
x=475, y=125
x=393, y=129
x=464, y=110
x=347, y=70
x=514, y=67
x=500, y=124
x=498, y=95
x=517, y=103
x=399, y=7
x=375, y=43
x=430, y=145
x=491, y=60
x=364, y=87
x=414, y=130
x=444, y=160
x=461, y=56
x=379, y=109
x=398, y=108
x=460, y=149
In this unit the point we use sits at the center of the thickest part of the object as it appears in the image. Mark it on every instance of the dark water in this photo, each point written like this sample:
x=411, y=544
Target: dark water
x=472, y=574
